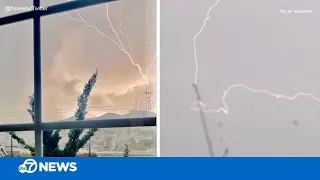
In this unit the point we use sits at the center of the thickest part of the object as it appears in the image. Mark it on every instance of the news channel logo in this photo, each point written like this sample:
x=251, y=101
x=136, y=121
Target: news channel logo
x=30, y=166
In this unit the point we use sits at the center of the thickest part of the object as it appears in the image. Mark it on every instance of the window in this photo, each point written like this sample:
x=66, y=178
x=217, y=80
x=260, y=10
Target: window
x=64, y=61
x=16, y=67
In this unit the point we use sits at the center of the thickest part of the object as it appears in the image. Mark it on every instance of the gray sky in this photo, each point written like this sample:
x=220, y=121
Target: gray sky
x=244, y=42
x=71, y=51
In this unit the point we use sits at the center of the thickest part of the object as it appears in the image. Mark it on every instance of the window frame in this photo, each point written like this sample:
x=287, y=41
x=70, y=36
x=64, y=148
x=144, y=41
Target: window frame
x=38, y=126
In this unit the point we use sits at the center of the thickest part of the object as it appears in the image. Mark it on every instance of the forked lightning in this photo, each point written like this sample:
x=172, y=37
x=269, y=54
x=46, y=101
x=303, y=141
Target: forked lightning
x=118, y=42
x=199, y=105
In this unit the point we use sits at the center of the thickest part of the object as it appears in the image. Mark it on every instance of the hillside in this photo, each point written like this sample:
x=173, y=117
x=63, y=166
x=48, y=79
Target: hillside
x=141, y=139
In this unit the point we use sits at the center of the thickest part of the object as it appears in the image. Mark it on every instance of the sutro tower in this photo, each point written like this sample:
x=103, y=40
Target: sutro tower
x=148, y=94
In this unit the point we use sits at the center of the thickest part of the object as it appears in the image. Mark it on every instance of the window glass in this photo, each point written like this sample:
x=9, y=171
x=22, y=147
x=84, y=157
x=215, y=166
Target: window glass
x=136, y=141
x=76, y=43
x=9, y=146
x=16, y=74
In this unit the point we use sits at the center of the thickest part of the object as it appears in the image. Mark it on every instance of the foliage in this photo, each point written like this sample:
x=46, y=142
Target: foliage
x=51, y=139
x=126, y=151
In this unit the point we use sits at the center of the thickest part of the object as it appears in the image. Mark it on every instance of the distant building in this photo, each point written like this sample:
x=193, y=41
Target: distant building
x=15, y=151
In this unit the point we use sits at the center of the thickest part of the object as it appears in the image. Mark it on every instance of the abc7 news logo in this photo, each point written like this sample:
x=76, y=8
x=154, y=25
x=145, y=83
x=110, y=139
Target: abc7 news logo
x=28, y=166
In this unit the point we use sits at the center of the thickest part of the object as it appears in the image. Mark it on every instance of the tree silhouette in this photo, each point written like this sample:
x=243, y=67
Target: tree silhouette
x=52, y=138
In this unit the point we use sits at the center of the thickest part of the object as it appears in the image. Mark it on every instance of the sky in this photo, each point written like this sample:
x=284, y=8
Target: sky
x=244, y=42
x=71, y=52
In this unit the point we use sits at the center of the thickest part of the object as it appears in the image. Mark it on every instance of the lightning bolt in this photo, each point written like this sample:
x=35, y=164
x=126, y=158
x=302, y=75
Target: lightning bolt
x=118, y=41
x=196, y=37
x=123, y=33
x=82, y=20
x=152, y=63
x=129, y=42
x=225, y=108
x=198, y=105
x=123, y=49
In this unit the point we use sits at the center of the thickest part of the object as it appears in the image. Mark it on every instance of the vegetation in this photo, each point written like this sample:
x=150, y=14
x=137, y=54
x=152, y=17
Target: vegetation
x=51, y=138
x=126, y=151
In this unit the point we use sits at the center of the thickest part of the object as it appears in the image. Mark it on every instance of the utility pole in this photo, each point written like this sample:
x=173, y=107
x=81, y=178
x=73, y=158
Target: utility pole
x=11, y=146
x=148, y=97
x=204, y=123
x=89, y=147
x=136, y=105
x=140, y=108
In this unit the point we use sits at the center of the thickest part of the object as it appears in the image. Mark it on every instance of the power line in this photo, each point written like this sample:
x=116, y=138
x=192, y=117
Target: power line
x=118, y=107
x=131, y=108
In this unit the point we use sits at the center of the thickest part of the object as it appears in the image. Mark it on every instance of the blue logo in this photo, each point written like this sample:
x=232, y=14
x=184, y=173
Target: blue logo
x=28, y=166
x=31, y=166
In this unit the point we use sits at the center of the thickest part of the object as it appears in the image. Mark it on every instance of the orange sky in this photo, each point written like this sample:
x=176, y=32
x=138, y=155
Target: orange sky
x=71, y=51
